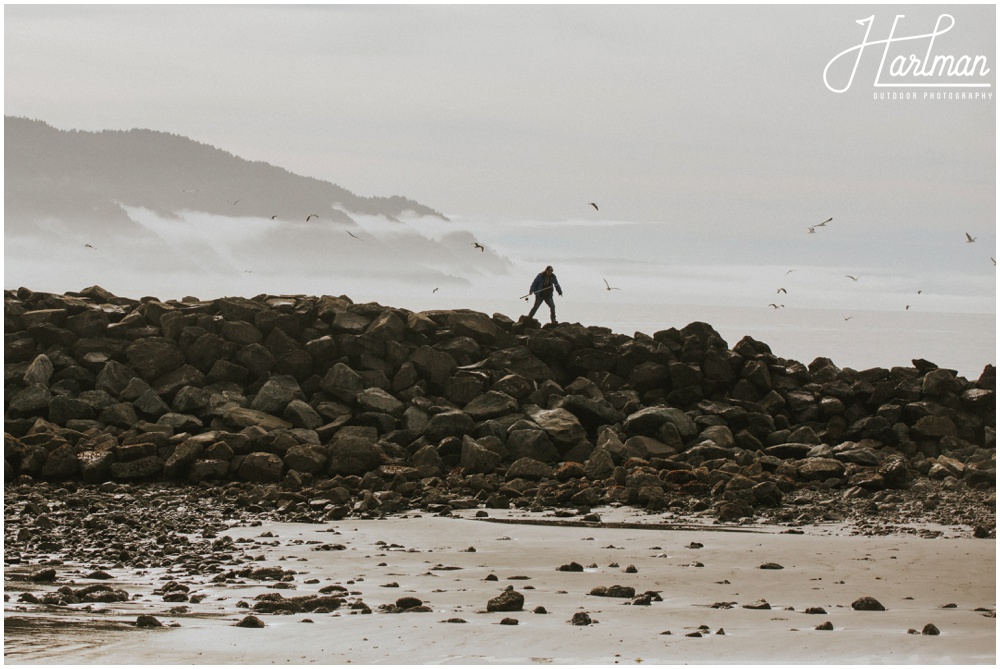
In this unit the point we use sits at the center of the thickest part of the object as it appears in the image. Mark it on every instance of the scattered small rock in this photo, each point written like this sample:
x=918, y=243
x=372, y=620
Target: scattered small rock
x=572, y=566
x=760, y=604
x=252, y=622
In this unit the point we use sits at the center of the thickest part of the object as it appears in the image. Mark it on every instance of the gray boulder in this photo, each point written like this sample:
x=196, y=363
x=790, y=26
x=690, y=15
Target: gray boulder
x=275, y=395
x=477, y=459
x=152, y=357
x=448, y=424
x=529, y=468
x=39, y=371
x=354, y=455
x=491, y=404
x=378, y=400
x=261, y=468
x=563, y=428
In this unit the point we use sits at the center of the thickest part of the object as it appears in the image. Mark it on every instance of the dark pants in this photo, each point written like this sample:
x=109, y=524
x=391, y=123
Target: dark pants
x=546, y=297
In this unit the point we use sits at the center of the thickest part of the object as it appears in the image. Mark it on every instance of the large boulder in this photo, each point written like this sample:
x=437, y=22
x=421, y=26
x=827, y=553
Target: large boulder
x=477, y=459
x=434, y=365
x=531, y=443
x=354, y=455
x=261, y=468
x=491, y=404
x=276, y=393
x=563, y=428
x=649, y=421
x=529, y=468
x=342, y=382
x=448, y=424
x=380, y=401
x=152, y=357
x=820, y=469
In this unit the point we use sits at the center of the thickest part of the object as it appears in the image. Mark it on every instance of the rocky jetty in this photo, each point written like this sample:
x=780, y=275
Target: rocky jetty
x=326, y=408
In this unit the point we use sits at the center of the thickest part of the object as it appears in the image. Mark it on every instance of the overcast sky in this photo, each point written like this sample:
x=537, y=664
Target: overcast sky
x=710, y=116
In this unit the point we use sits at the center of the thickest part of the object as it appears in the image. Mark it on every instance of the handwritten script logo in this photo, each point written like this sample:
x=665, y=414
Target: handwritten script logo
x=941, y=67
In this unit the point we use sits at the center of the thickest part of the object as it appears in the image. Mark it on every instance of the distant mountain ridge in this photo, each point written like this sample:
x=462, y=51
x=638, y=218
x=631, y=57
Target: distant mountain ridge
x=84, y=177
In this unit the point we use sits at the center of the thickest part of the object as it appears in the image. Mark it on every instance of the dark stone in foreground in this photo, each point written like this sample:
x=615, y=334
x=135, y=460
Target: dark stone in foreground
x=867, y=604
x=509, y=600
x=252, y=622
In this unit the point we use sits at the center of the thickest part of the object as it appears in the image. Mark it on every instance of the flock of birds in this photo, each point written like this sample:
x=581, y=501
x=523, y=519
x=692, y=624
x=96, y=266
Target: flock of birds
x=969, y=239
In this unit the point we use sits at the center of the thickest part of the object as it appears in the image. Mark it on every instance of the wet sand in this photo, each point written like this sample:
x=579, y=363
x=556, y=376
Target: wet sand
x=700, y=589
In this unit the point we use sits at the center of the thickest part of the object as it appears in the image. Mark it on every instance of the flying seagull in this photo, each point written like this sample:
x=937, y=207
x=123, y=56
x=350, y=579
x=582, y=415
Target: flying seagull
x=820, y=225
x=907, y=307
x=89, y=246
x=847, y=318
x=435, y=290
x=311, y=216
x=594, y=205
x=775, y=306
x=852, y=278
x=994, y=261
x=479, y=246
x=274, y=217
x=234, y=201
x=609, y=285
x=782, y=290
x=790, y=271
x=812, y=229
x=969, y=238
x=354, y=235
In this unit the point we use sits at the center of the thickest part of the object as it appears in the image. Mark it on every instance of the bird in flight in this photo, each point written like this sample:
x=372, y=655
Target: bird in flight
x=852, y=278
x=89, y=246
x=607, y=285
x=782, y=290
x=969, y=238
x=847, y=318
x=311, y=216
x=274, y=217
x=907, y=307
x=820, y=225
x=435, y=290
x=775, y=306
x=234, y=201
x=354, y=235
x=812, y=229
x=994, y=261
x=790, y=271
x=478, y=246
x=594, y=205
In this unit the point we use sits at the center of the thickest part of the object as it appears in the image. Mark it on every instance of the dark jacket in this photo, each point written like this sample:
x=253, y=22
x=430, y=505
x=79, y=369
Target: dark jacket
x=539, y=283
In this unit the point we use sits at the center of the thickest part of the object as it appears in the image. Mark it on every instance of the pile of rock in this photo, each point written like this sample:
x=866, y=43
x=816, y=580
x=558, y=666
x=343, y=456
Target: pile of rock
x=385, y=409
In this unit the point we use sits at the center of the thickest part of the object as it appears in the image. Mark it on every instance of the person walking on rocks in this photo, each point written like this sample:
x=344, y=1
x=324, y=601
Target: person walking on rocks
x=542, y=288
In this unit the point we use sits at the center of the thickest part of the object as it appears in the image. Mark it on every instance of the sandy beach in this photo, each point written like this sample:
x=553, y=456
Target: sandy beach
x=700, y=577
